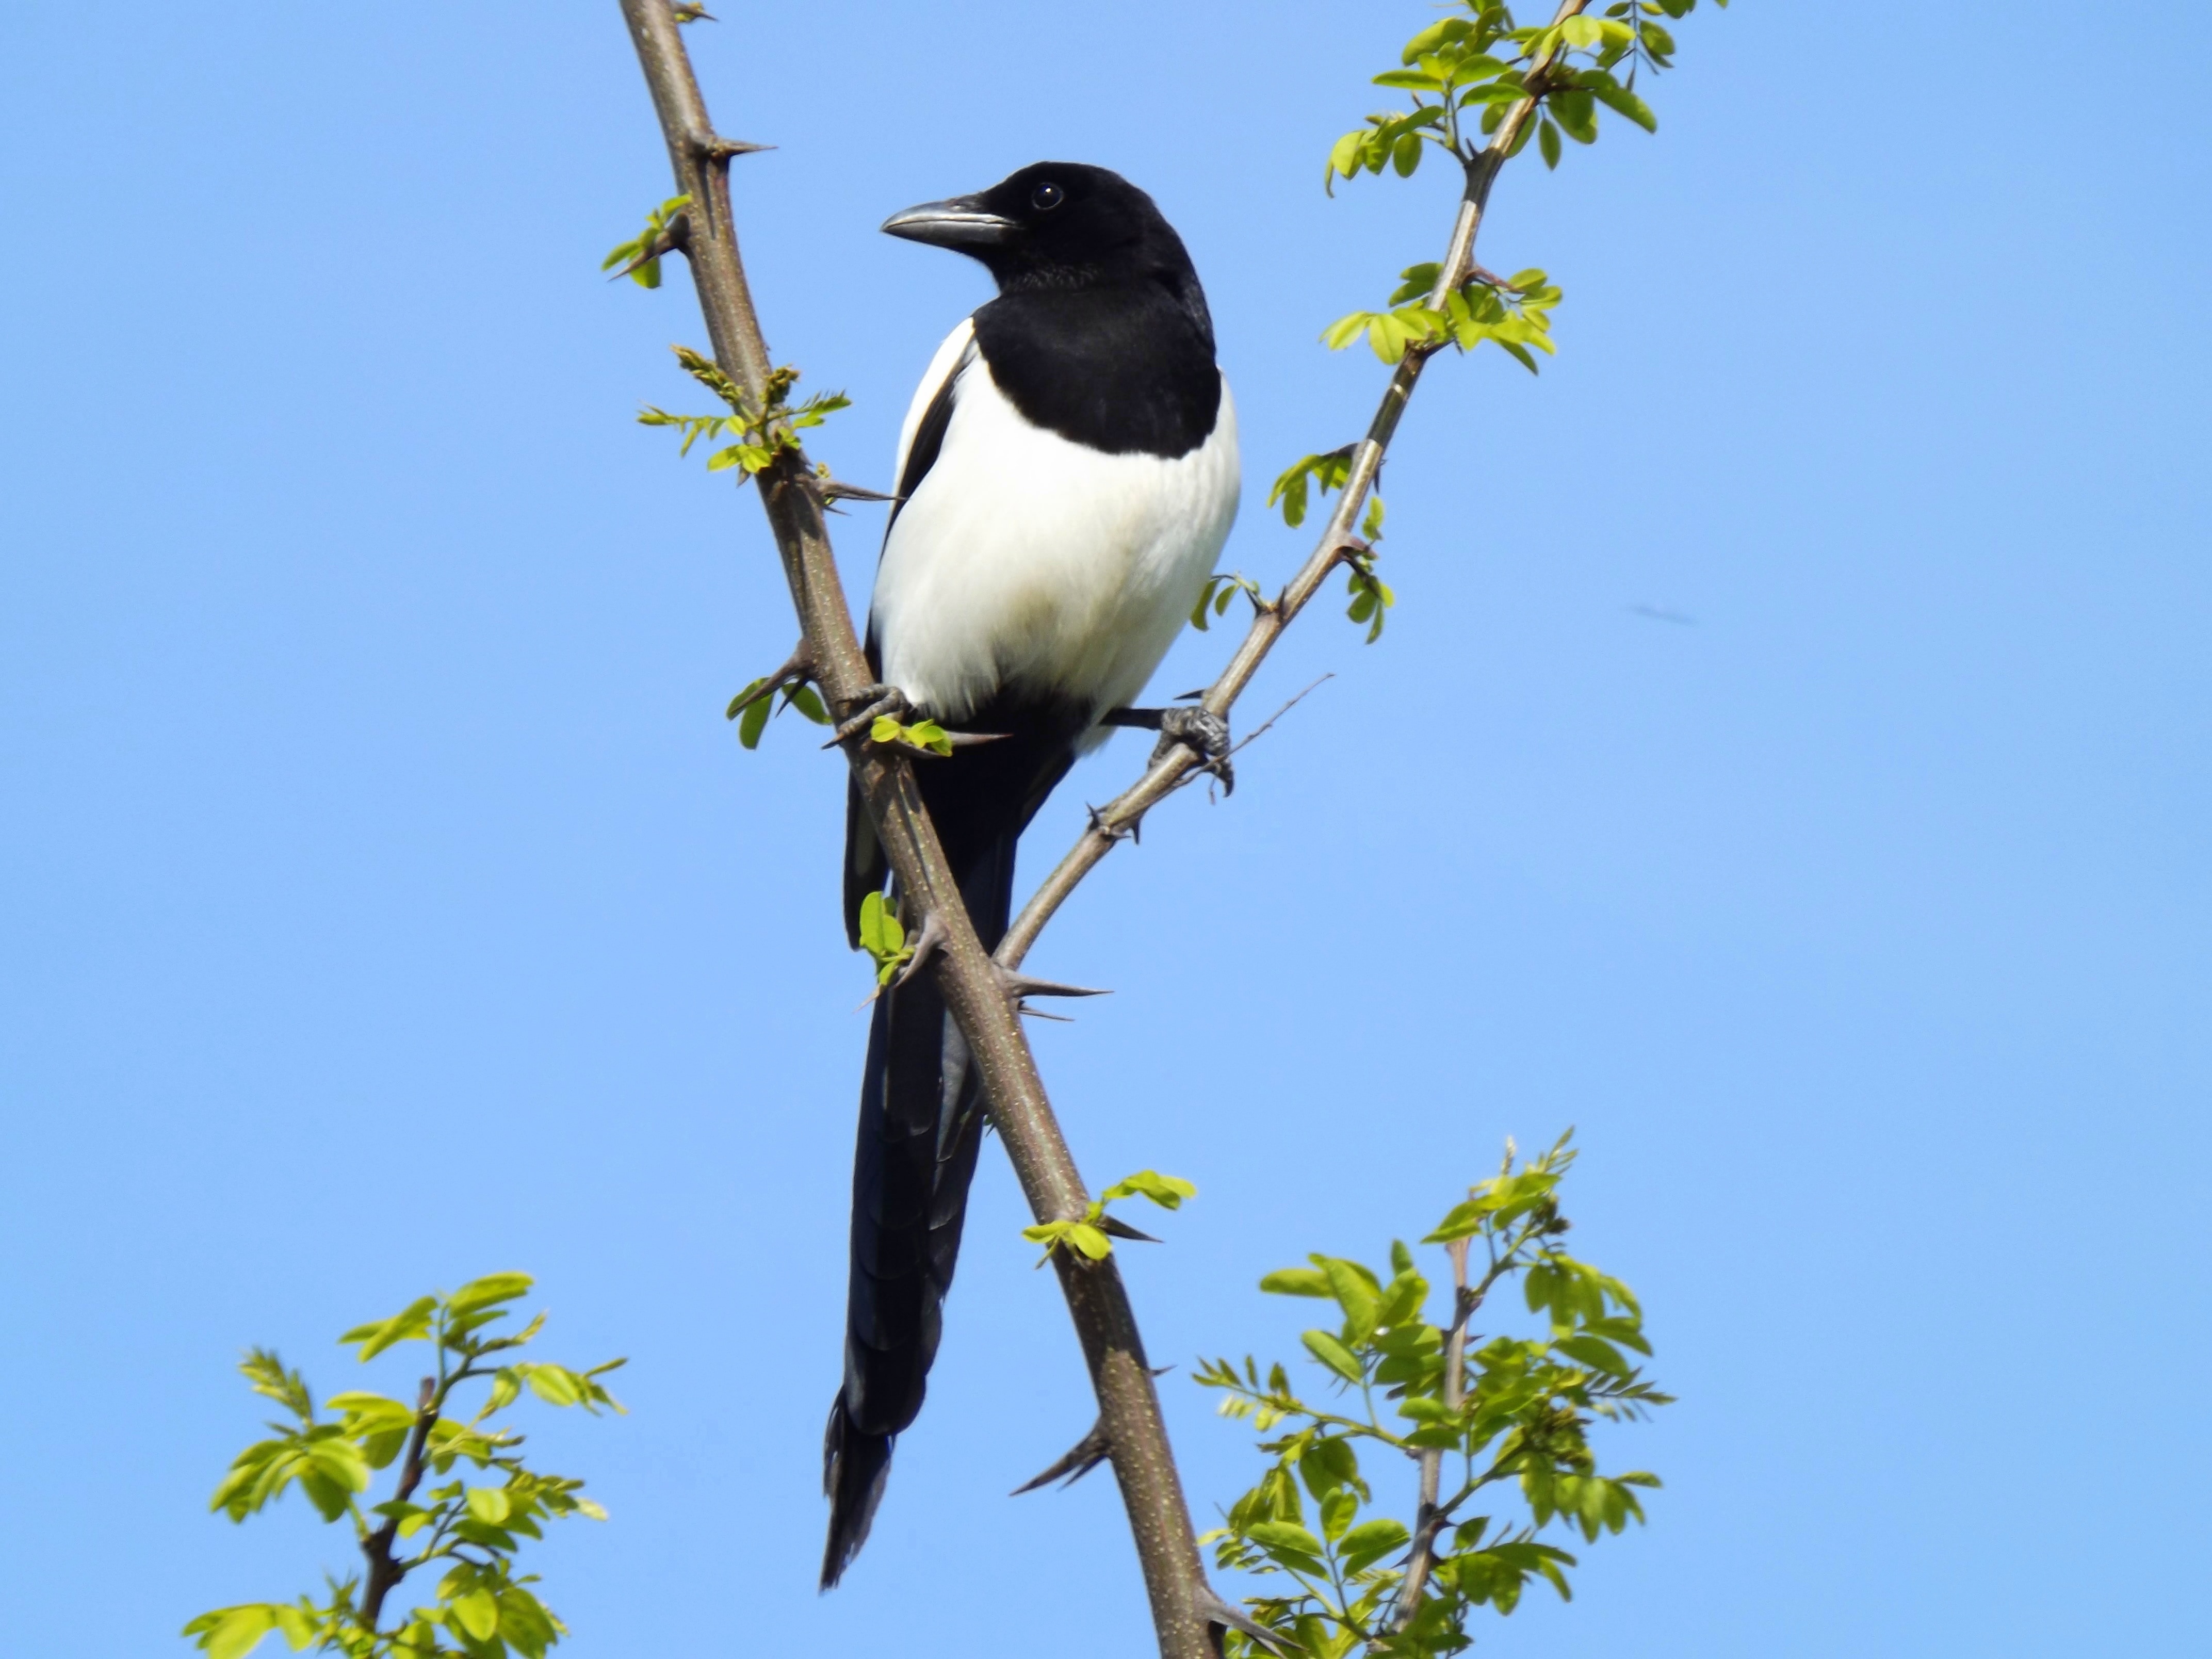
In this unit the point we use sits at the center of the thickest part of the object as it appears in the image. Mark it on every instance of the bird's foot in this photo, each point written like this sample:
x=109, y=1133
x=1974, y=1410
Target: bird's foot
x=926, y=943
x=1206, y=734
x=1197, y=728
x=877, y=701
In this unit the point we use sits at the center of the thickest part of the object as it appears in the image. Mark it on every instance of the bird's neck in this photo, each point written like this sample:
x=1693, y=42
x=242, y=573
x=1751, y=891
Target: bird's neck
x=1126, y=368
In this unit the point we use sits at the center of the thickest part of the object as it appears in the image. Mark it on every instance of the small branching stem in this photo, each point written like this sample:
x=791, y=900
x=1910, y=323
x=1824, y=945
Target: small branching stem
x=384, y=1570
x=1431, y=1518
x=1110, y=825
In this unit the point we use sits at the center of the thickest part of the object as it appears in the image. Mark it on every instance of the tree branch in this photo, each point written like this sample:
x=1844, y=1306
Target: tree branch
x=1112, y=822
x=1430, y=1518
x=384, y=1572
x=1129, y=1409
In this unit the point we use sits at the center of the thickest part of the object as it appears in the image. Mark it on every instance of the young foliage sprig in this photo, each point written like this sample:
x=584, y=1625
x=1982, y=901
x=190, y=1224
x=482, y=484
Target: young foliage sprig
x=481, y=1607
x=759, y=431
x=1481, y=86
x=637, y=256
x=882, y=936
x=1089, y=1237
x=925, y=735
x=754, y=706
x=1220, y=590
x=1505, y=1418
x=1464, y=74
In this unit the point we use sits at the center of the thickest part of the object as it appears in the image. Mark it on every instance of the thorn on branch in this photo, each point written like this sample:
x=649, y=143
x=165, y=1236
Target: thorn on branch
x=832, y=490
x=1128, y=832
x=797, y=668
x=1114, y=1225
x=1017, y=984
x=1215, y=1610
x=1087, y=1455
x=712, y=147
x=675, y=237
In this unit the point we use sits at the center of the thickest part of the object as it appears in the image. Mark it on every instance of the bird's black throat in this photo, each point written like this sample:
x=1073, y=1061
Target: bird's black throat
x=1124, y=367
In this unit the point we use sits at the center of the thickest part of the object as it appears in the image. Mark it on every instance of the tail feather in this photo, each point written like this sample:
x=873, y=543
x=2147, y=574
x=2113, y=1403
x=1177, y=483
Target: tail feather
x=854, y=1467
x=921, y=1121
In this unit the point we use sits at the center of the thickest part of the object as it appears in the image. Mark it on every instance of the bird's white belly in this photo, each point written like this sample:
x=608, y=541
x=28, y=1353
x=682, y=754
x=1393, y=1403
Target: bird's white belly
x=1026, y=561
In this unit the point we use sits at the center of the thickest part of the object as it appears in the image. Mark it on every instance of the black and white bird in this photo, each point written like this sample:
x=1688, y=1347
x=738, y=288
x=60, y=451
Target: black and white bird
x=1066, y=476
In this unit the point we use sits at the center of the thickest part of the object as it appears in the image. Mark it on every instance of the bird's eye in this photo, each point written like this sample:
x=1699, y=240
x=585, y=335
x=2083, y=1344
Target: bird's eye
x=1047, y=197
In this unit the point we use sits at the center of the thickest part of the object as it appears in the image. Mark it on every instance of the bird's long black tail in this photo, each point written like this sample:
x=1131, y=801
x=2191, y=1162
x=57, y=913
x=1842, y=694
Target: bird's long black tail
x=921, y=1121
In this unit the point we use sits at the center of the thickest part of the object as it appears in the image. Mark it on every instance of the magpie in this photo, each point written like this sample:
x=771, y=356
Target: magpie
x=1066, y=476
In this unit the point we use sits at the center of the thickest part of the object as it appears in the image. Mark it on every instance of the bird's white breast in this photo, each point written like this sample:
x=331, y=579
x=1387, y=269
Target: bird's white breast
x=1025, y=560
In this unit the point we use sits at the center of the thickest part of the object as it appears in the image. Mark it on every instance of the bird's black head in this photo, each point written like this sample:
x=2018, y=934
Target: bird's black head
x=1055, y=225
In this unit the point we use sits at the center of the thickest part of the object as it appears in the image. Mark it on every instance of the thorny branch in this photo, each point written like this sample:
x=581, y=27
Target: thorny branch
x=1182, y=1603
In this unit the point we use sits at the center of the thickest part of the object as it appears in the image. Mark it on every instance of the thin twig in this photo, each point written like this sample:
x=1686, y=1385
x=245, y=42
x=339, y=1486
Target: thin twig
x=1430, y=1519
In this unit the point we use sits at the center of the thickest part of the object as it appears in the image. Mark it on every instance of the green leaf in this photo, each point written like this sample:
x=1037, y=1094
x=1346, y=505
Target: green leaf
x=1337, y=1511
x=1285, y=1535
x=754, y=722
x=554, y=1385
x=807, y=702
x=236, y=1631
x=1166, y=1191
x=880, y=931
x=1624, y=102
x=371, y=1413
x=489, y=1292
x=1296, y=1281
x=1547, y=140
x=410, y=1324
x=1356, y=1292
x=489, y=1504
x=1333, y=1354
x=1369, y=1541
x=476, y=1613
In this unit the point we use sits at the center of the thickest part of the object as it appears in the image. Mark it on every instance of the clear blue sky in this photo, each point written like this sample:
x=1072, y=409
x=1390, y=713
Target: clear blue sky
x=386, y=901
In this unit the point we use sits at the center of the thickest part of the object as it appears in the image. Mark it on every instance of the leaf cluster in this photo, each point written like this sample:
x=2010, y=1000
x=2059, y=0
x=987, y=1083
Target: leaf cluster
x=1088, y=1237
x=470, y=1528
x=759, y=431
x=1506, y=1418
x=1514, y=314
x=1481, y=87
x=1466, y=73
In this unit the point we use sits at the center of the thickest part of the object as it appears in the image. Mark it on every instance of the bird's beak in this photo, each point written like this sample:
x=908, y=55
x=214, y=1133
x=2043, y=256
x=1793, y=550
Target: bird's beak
x=958, y=223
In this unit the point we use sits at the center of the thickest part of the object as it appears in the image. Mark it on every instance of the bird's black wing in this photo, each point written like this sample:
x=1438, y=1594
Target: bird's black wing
x=928, y=438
